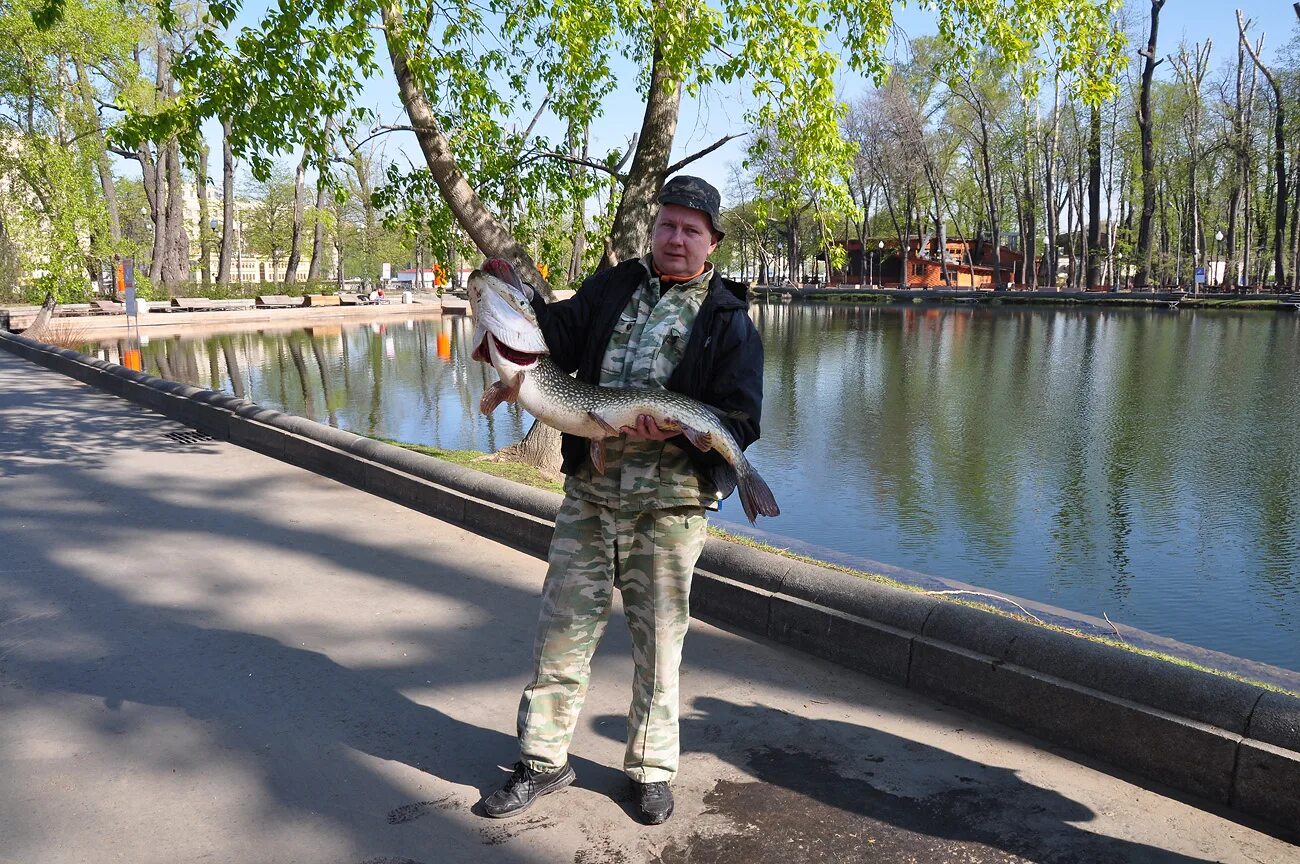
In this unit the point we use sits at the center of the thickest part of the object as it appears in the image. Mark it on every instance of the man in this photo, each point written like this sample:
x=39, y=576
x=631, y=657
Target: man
x=667, y=320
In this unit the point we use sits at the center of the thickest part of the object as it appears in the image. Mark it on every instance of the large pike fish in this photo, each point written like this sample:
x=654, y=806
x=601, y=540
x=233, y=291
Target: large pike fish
x=507, y=335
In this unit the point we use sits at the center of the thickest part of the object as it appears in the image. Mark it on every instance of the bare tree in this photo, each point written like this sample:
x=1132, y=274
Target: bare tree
x=1148, y=150
x=1191, y=69
x=295, y=239
x=227, y=206
x=1279, y=156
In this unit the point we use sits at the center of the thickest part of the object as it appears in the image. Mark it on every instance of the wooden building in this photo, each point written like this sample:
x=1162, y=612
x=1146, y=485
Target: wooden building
x=876, y=261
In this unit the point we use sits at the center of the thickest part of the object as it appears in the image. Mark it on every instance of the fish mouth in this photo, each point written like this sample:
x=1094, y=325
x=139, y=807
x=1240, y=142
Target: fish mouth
x=482, y=352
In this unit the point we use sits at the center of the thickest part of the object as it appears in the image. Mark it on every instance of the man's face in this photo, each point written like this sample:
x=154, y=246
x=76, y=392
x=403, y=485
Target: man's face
x=683, y=240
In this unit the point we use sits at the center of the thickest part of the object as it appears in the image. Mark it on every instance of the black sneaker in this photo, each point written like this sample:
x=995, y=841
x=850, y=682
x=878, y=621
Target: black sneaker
x=654, y=802
x=523, y=788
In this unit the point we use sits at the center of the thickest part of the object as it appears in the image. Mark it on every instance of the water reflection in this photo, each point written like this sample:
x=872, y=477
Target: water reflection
x=1141, y=463
x=405, y=380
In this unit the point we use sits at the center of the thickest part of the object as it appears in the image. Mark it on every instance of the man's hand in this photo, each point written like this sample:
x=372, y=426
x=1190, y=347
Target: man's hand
x=647, y=428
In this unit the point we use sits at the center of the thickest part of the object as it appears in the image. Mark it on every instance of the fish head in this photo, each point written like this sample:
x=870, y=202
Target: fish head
x=506, y=332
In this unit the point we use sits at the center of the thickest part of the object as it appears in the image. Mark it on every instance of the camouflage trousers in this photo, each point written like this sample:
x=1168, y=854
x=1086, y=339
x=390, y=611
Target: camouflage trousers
x=649, y=557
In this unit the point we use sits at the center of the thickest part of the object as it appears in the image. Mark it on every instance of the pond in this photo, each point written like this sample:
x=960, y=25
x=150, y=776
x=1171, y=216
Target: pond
x=1140, y=464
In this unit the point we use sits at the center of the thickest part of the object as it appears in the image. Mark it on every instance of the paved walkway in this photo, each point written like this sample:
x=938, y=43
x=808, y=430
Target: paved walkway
x=208, y=655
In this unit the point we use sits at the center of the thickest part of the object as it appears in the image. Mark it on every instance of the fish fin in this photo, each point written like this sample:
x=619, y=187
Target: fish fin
x=604, y=424
x=512, y=389
x=703, y=441
x=755, y=496
x=598, y=454
x=493, y=396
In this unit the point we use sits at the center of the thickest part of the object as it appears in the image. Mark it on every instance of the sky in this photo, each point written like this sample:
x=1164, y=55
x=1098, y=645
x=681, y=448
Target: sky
x=720, y=111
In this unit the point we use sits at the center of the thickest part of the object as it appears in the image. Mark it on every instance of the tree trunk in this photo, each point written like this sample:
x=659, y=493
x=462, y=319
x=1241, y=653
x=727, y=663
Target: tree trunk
x=1279, y=160
x=227, y=206
x=1094, y=198
x=630, y=234
x=159, y=207
x=205, y=232
x=479, y=223
x=295, y=238
x=1050, y=210
x=1029, y=267
x=176, y=271
x=316, y=266
x=1143, y=252
x=338, y=244
x=994, y=223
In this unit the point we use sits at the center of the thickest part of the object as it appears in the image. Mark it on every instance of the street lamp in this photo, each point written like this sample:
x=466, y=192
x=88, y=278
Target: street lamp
x=880, y=259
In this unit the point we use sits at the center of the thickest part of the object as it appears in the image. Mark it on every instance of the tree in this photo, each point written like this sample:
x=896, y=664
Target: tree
x=1279, y=157
x=57, y=188
x=227, y=206
x=268, y=224
x=1148, y=150
x=308, y=58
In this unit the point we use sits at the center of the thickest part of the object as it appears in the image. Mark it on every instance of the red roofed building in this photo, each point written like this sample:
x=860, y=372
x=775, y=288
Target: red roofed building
x=969, y=263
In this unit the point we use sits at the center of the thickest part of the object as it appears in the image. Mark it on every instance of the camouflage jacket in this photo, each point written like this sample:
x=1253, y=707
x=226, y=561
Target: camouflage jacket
x=647, y=344
x=721, y=364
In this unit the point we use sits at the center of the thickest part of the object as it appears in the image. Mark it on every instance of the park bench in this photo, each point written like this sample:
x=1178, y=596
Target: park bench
x=322, y=300
x=108, y=307
x=193, y=304
x=277, y=301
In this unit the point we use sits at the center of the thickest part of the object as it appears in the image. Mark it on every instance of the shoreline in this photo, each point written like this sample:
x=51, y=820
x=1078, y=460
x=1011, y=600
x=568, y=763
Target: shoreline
x=291, y=317
x=976, y=297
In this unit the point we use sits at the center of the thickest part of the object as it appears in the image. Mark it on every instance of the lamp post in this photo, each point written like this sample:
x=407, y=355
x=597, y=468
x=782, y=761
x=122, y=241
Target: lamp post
x=1218, y=238
x=880, y=259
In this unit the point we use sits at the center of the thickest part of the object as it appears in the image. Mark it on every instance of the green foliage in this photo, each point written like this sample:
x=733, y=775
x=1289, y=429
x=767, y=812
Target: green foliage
x=54, y=212
x=267, y=226
x=308, y=59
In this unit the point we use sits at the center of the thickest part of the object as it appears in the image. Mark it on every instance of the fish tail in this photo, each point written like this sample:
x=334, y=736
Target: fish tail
x=755, y=496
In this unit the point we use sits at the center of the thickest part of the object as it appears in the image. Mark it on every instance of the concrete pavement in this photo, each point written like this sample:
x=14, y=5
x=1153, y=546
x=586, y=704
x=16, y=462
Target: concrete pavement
x=207, y=654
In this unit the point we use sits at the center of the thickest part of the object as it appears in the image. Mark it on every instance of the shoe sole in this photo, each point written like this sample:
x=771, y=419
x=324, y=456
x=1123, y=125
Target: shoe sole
x=562, y=783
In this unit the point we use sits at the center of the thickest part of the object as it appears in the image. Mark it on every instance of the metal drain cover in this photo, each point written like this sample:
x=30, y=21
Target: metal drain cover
x=189, y=436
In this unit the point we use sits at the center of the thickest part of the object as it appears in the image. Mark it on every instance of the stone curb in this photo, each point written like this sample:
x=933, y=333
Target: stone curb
x=1230, y=743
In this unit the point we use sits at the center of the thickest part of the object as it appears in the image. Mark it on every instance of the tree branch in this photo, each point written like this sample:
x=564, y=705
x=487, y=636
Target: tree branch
x=677, y=166
x=574, y=160
x=528, y=133
x=1241, y=28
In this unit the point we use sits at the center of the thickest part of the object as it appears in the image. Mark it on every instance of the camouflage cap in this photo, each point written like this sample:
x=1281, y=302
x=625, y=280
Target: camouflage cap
x=687, y=191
